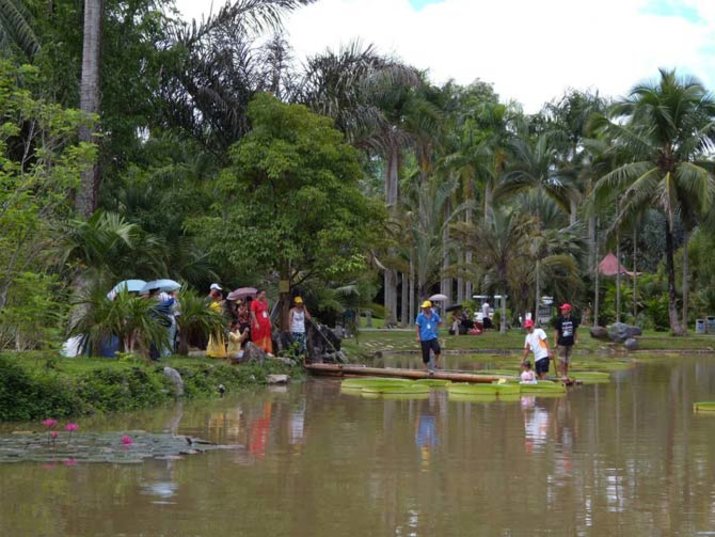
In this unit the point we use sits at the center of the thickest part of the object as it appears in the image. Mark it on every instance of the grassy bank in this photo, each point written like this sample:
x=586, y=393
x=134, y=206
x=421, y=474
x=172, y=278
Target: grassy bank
x=35, y=386
x=371, y=341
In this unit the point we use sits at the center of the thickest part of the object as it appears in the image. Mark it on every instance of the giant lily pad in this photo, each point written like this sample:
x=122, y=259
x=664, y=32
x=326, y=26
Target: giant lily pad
x=704, y=406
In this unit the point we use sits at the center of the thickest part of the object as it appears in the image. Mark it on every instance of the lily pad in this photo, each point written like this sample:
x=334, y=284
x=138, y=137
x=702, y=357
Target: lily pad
x=543, y=386
x=472, y=389
x=704, y=406
x=88, y=447
x=434, y=383
x=407, y=388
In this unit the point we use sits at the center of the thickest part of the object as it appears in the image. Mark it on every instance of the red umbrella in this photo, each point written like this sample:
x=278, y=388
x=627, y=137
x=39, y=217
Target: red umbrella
x=241, y=293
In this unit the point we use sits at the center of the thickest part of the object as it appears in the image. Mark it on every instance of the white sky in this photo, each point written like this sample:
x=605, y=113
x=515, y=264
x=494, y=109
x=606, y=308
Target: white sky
x=531, y=51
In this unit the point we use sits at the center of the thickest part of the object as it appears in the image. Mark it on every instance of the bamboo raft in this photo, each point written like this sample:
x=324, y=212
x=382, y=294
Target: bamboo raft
x=352, y=370
x=341, y=371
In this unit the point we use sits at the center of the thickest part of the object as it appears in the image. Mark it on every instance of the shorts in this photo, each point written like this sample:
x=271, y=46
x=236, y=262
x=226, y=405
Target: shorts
x=564, y=353
x=431, y=345
x=542, y=366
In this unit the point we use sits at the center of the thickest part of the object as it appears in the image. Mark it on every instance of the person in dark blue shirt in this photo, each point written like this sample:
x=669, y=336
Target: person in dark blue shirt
x=428, y=322
x=565, y=338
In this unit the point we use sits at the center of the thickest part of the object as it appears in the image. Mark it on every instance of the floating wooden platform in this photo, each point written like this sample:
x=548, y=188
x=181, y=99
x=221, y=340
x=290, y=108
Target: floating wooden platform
x=340, y=370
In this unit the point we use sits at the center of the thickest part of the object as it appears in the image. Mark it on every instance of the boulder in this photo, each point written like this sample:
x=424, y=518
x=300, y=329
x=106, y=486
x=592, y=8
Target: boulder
x=631, y=344
x=599, y=332
x=176, y=381
x=252, y=353
x=620, y=332
x=323, y=344
x=277, y=379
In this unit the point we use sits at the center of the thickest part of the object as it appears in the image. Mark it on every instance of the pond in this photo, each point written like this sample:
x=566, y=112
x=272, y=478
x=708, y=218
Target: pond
x=629, y=457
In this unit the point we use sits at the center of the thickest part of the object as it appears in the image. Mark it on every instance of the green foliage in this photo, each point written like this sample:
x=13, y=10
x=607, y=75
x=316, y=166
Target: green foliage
x=40, y=163
x=33, y=319
x=80, y=386
x=25, y=397
x=131, y=318
x=196, y=320
x=111, y=390
x=203, y=380
x=291, y=198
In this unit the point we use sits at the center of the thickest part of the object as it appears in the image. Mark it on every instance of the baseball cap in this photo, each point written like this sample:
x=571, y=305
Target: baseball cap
x=565, y=307
x=426, y=304
x=216, y=287
x=298, y=300
x=528, y=323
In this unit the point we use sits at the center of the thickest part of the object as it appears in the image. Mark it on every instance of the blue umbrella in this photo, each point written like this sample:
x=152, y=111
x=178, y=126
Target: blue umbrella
x=131, y=286
x=162, y=285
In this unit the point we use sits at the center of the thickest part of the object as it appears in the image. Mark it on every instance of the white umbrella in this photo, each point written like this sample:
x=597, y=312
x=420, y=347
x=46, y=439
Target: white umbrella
x=161, y=285
x=439, y=297
x=130, y=286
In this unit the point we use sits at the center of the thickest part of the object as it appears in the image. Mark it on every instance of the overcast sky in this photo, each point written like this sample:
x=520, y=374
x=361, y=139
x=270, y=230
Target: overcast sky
x=531, y=51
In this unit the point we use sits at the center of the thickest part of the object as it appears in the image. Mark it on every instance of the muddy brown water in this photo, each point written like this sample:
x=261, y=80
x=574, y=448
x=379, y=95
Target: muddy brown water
x=625, y=458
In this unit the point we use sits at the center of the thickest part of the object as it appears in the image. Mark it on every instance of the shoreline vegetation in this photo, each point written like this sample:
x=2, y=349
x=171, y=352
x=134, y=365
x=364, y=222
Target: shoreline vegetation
x=34, y=385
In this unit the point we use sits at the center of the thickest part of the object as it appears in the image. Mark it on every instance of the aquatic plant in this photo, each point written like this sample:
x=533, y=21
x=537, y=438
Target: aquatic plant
x=70, y=428
x=127, y=440
x=49, y=423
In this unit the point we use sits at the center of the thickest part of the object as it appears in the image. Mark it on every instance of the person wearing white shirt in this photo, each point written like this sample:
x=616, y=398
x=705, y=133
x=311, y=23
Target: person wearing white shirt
x=537, y=342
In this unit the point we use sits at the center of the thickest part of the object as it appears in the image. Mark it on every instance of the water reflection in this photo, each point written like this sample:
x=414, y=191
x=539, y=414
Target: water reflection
x=625, y=458
x=427, y=435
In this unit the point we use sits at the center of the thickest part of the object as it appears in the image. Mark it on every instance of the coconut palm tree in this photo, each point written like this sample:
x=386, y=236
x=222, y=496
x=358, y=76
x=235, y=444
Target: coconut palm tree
x=667, y=129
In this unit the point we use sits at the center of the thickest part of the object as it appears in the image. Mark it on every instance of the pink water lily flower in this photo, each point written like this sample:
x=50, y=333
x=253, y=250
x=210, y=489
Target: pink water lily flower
x=54, y=435
x=49, y=422
x=127, y=440
x=71, y=427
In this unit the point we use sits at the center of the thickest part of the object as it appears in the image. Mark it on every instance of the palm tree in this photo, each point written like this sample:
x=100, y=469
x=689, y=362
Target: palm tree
x=502, y=243
x=369, y=97
x=128, y=317
x=667, y=129
x=533, y=167
x=86, y=197
x=16, y=28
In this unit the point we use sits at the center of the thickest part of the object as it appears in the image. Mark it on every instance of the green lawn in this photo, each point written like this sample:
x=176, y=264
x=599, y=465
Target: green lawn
x=371, y=341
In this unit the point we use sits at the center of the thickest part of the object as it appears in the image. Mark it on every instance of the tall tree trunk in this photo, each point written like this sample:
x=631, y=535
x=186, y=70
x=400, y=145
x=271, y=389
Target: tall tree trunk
x=618, y=278
x=390, y=297
x=538, y=293
x=675, y=327
x=468, y=260
x=502, y=321
x=635, y=276
x=86, y=196
x=488, y=201
x=412, y=308
x=404, y=296
x=686, y=281
x=392, y=173
x=446, y=284
x=596, y=275
x=592, y=255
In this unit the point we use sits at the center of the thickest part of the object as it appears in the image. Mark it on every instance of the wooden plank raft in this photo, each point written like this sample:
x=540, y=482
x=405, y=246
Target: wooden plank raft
x=342, y=370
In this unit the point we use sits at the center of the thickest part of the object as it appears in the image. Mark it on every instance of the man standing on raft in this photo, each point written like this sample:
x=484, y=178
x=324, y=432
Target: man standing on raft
x=428, y=322
x=564, y=339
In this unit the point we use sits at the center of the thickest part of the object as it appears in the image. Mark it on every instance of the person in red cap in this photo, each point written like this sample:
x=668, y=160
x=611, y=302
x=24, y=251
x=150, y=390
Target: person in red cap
x=564, y=339
x=537, y=342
